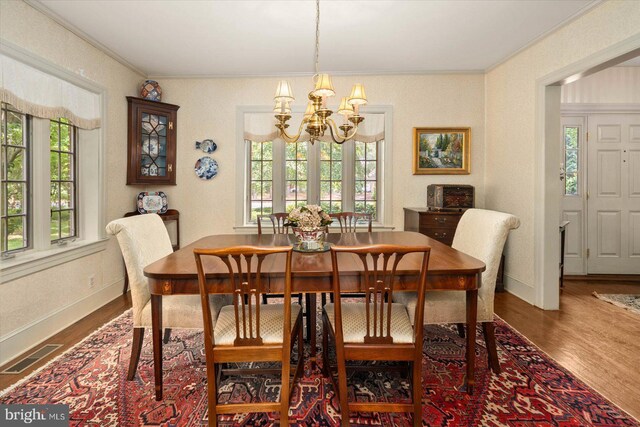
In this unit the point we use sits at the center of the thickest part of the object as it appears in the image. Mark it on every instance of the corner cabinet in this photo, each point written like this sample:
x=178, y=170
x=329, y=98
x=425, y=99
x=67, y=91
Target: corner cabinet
x=151, y=156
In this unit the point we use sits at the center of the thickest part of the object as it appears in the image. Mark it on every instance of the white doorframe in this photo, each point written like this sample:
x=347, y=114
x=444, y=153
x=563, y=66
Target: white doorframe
x=546, y=184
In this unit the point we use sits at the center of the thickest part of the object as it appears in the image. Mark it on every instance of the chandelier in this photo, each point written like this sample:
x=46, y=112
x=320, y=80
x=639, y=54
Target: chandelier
x=316, y=119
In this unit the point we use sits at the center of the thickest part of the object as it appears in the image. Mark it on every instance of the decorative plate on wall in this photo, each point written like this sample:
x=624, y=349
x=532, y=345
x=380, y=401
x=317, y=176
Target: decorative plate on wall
x=207, y=145
x=152, y=202
x=206, y=167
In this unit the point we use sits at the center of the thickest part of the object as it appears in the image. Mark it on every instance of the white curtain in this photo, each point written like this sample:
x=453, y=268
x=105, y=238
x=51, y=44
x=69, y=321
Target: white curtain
x=43, y=95
x=260, y=127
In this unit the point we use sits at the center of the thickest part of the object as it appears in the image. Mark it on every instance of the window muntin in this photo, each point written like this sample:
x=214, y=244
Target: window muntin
x=296, y=175
x=62, y=142
x=330, y=177
x=261, y=179
x=571, y=160
x=15, y=186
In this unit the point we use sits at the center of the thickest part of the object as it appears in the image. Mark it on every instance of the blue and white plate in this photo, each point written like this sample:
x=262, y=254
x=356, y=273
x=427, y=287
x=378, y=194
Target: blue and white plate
x=152, y=202
x=208, y=146
x=206, y=167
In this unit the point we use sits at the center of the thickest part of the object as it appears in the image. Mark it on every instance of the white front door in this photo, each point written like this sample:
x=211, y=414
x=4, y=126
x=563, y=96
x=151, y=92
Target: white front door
x=614, y=194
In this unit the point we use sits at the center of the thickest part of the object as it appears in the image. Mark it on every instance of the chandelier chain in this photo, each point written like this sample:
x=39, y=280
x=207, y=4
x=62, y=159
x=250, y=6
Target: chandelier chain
x=317, y=34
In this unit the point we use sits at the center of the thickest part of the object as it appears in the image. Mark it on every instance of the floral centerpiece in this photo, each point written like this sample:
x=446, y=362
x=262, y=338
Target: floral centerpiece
x=309, y=223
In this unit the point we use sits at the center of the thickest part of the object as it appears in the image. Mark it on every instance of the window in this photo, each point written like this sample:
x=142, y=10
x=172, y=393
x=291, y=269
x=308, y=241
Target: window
x=52, y=169
x=571, y=164
x=62, y=140
x=330, y=177
x=334, y=178
x=278, y=176
x=15, y=218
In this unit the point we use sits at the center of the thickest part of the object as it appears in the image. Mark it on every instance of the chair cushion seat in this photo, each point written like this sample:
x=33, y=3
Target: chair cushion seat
x=443, y=307
x=271, y=323
x=183, y=311
x=354, y=322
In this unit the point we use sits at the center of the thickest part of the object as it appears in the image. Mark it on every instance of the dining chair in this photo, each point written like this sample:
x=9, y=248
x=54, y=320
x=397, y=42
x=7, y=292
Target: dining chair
x=349, y=224
x=276, y=220
x=482, y=234
x=248, y=331
x=349, y=221
x=376, y=329
x=144, y=239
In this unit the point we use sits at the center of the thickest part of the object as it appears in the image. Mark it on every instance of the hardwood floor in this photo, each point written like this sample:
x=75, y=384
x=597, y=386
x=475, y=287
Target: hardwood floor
x=69, y=337
x=597, y=341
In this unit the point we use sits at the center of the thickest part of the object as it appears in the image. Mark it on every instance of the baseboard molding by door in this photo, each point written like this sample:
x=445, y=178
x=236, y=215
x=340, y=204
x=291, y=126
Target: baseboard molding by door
x=603, y=277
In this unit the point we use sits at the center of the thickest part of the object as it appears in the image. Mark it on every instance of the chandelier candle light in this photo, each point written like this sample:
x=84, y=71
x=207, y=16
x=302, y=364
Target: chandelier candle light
x=316, y=117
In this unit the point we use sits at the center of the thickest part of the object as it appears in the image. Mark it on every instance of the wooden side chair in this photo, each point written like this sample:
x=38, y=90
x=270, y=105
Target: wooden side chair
x=276, y=221
x=249, y=331
x=482, y=234
x=350, y=222
x=144, y=239
x=376, y=329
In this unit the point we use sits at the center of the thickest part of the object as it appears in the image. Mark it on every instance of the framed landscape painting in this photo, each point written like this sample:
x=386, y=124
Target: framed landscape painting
x=441, y=151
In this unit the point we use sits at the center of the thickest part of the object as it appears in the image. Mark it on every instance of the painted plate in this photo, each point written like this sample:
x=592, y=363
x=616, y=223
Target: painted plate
x=208, y=146
x=206, y=167
x=152, y=202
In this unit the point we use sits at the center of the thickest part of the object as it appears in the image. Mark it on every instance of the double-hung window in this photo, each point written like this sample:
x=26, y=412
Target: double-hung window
x=349, y=177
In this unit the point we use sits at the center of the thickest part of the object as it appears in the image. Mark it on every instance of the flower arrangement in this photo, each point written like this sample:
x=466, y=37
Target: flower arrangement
x=308, y=218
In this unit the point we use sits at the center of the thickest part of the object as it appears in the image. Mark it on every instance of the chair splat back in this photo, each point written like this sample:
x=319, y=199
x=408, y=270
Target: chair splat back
x=349, y=221
x=277, y=221
x=247, y=285
x=380, y=263
x=379, y=292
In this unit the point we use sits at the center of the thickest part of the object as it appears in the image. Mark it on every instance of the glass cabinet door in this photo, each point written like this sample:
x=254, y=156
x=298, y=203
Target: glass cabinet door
x=152, y=142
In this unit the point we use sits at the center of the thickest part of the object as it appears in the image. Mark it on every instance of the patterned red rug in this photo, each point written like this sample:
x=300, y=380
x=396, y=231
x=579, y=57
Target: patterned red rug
x=533, y=390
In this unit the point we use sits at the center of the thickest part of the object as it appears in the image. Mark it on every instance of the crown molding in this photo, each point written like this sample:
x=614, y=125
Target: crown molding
x=37, y=5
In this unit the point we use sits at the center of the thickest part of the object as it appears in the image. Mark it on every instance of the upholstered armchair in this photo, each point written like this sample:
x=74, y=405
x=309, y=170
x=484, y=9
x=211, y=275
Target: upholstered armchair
x=144, y=239
x=481, y=234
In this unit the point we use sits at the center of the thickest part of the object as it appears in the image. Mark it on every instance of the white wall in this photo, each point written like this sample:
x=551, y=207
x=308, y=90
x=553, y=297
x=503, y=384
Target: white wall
x=208, y=110
x=35, y=306
x=511, y=123
x=615, y=85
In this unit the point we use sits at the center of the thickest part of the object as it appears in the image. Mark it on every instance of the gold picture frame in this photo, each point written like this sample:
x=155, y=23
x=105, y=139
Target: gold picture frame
x=442, y=151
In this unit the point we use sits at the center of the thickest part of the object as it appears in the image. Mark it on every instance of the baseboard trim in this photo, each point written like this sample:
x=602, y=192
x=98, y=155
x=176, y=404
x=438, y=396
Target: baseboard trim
x=520, y=289
x=25, y=338
x=603, y=277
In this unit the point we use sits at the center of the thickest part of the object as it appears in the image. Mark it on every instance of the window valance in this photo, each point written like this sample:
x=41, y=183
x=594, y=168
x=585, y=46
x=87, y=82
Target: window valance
x=46, y=96
x=260, y=127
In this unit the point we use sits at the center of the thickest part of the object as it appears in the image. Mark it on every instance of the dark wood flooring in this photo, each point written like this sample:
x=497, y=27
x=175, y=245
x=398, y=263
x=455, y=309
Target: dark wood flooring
x=597, y=341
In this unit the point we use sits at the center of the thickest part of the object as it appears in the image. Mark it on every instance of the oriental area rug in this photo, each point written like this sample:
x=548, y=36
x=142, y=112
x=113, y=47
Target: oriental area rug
x=628, y=301
x=532, y=389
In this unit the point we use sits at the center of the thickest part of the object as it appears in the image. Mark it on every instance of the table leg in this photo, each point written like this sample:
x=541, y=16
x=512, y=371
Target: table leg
x=313, y=325
x=472, y=318
x=156, y=329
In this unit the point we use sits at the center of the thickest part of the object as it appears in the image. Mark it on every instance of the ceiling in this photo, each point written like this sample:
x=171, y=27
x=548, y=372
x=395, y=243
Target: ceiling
x=261, y=37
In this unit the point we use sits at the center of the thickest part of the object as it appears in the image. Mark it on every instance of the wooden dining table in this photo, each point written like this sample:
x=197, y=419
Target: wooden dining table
x=449, y=270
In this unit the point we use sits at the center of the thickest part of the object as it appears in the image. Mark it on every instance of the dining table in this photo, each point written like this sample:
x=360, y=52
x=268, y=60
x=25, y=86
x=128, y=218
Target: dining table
x=311, y=272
